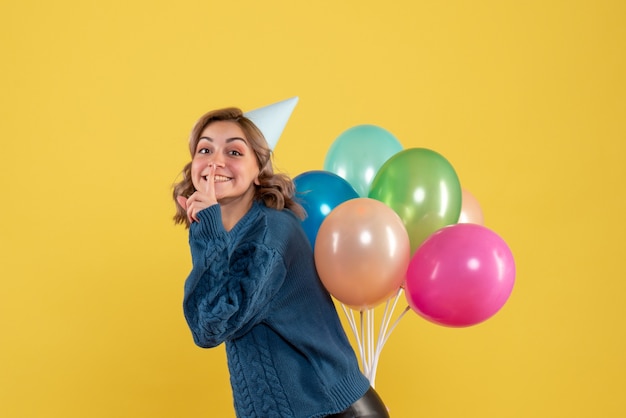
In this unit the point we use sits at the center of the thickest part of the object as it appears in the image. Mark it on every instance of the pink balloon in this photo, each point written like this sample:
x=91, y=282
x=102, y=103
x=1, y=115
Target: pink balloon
x=471, y=211
x=460, y=276
x=362, y=252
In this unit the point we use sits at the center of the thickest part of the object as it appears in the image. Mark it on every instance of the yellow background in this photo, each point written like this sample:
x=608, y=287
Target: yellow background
x=526, y=99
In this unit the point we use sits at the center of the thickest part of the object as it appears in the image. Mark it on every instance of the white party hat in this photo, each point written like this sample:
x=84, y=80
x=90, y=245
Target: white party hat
x=271, y=119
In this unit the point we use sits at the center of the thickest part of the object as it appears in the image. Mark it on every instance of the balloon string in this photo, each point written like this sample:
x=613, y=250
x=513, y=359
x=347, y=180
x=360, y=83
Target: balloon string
x=366, y=363
x=367, y=330
x=386, y=319
x=408, y=308
x=395, y=324
x=370, y=341
x=383, y=334
x=352, y=321
x=371, y=346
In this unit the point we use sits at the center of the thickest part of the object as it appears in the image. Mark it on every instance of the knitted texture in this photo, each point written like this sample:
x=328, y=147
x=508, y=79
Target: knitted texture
x=256, y=289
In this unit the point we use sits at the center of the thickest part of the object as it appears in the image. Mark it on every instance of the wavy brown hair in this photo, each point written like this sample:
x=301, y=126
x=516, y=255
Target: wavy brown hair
x=276, y=190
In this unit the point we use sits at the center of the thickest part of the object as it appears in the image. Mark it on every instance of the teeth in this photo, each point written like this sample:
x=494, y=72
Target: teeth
x=217, y=178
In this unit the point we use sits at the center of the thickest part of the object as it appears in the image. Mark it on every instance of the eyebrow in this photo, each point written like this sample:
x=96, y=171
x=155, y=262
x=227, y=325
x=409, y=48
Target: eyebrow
x=235, y=138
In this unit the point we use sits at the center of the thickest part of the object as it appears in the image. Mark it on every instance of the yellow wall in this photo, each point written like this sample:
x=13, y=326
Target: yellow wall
x=526, y=99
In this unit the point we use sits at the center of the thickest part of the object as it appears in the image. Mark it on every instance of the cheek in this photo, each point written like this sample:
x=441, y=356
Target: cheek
x=196, y=168
x=197, y=165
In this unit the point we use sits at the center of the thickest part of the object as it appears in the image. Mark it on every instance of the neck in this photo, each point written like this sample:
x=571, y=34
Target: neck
x=233, y=211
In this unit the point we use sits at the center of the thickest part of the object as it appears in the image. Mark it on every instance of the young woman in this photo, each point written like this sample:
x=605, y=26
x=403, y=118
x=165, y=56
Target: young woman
x=253, y=284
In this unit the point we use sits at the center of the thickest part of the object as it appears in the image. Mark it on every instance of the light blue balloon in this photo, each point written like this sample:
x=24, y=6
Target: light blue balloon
x=358, y=153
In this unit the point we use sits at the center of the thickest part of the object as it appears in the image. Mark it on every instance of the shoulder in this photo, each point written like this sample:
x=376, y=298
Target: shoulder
x=282, y=225
x=274, y=215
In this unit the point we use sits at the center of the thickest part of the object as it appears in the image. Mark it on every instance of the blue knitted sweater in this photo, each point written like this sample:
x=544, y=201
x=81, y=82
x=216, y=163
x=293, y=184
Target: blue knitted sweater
x=255, y=288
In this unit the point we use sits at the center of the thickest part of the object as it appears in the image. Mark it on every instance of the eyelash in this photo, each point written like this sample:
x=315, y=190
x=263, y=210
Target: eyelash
x=232, y=152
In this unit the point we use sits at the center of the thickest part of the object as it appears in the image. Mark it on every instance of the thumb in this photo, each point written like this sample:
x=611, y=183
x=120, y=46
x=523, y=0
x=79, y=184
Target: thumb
x=182, y=200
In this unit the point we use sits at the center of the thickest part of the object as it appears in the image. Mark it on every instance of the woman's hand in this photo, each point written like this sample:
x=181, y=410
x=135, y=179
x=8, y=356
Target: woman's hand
x=200, y=199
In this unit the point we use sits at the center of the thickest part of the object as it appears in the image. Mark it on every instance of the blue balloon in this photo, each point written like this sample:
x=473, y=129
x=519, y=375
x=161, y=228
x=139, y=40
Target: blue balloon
x=319, y=192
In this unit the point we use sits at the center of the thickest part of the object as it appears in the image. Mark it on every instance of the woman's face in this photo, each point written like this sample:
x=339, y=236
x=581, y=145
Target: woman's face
x=224, y=144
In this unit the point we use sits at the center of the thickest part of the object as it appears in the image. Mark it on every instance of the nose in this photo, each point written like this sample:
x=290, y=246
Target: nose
x=216, y=160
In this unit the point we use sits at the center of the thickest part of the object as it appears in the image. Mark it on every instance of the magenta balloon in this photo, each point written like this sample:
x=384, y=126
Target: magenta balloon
x=460, y=276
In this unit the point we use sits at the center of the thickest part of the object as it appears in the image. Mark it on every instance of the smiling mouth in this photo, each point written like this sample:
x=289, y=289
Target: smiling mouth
x=218, y=179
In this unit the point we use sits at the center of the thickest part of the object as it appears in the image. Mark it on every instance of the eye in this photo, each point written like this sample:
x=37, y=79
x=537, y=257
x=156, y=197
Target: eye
x=235, y=153
x=203, y=151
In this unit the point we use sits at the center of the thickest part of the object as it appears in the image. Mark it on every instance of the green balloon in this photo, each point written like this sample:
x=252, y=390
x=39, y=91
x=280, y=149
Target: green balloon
x=422, y=187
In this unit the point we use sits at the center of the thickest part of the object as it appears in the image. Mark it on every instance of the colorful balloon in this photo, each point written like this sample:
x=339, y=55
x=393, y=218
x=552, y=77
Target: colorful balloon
x=362, y=252
x=422, y=187
x=358, y=153
x=470, y=210
x=320, y=192
x=460, y=276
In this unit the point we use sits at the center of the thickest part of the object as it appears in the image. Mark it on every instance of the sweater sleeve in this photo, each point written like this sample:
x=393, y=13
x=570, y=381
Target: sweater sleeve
x=225, y=295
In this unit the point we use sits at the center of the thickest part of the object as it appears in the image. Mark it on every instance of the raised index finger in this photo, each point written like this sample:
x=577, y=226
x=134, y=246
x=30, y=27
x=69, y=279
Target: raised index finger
x=209, y=187
x=210, y=179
